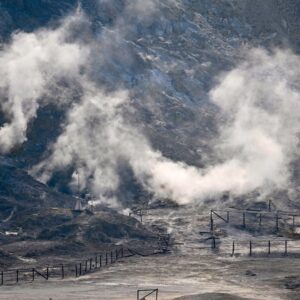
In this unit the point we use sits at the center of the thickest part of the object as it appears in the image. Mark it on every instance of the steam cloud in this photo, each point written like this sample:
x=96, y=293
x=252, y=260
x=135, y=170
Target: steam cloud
x=259, y=100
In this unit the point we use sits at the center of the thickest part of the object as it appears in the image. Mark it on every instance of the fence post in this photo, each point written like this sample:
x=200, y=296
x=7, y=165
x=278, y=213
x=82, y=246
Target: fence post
x=227, y=216
x=100, y=261
x=80, y=269
x=106, y=258
x=285, y=247
x=211, y=221
x=244, y=219
x=269, y=247
x=17, y=276
x=260, y=219
x=2, y=278
x=122, y=252
x=47, y=273
x=85, y=268
x=250, y=248
x=76, y=271
x=62, y=272
x=111, y=257
x=33, y=274
x=277, y=222
x=96, y=262
x=270, y=202
x=293, y=223
x=213, y=244
x=91, y=262
x=233, y=248
x=117, y=254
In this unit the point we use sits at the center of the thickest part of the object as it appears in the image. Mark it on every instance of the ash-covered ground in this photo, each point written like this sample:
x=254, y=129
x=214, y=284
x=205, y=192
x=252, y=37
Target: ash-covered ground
x=191, y=268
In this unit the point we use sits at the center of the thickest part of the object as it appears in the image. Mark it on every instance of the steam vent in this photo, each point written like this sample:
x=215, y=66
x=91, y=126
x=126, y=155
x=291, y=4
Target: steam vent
x=149, y=149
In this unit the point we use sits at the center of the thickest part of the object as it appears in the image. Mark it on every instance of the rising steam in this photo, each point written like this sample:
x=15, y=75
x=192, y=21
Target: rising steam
x=259, y=101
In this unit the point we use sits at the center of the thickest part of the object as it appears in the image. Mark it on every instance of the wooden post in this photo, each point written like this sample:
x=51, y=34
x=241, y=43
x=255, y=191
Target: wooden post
x=259, y=219
x=285, y=247
x=293, y=223
x=233, y=248
x=47, y=273
x=122, y=252
x=269, y=247
x=211, y=221
x=117, y=254
x=227, y=216
x=17, y=276
x=91, y=262
x=244, y=219
x=85, y=269
x=33, y=271
x=96, y=262
x=250, y=248
x=62, y=272
x=100, y=261
x=213, y=245
x=80, y=269
x=76, y=271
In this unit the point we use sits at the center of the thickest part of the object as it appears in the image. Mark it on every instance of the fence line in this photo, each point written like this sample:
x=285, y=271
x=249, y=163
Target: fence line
x=256, y=247
x=227, y=216
x=76, y=269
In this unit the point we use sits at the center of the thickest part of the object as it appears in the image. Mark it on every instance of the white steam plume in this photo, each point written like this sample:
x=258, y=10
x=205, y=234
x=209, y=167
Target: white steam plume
x=259, y=100
x=29, y=67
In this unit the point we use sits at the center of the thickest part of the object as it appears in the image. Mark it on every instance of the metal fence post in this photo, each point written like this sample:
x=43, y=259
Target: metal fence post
x=260, y=219
x=244, y=219
x=293, y=223
x=17, y=276
x=233, y=248
x=211, y=221
x=250, y=248
x=285, y=247
x=62, y=272
x=213, y=244
x=269, y=247
x=33, y=271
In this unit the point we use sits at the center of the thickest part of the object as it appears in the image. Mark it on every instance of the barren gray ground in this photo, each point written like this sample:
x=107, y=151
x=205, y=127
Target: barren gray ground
x=188, y=270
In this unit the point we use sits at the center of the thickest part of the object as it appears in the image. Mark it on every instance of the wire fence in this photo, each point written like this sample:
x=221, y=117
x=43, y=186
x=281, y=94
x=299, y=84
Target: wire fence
x=64, y=270
x=273, y=221
x=256, y=247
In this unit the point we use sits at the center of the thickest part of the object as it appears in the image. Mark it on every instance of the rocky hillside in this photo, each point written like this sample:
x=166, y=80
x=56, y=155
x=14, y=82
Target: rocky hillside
x=169, y=51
